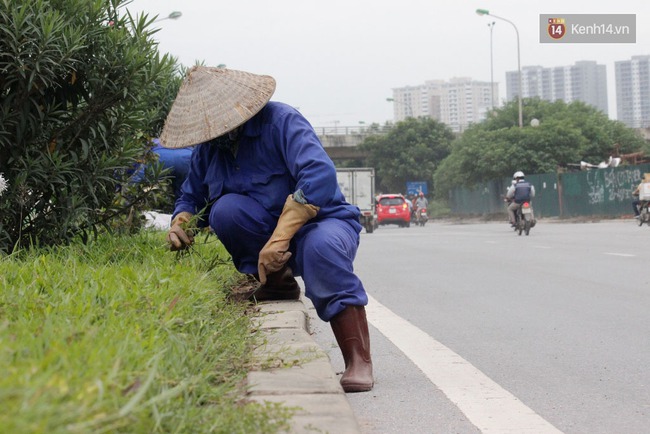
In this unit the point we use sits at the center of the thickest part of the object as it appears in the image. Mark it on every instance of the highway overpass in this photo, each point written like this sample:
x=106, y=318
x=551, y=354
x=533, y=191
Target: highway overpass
x=341, y=143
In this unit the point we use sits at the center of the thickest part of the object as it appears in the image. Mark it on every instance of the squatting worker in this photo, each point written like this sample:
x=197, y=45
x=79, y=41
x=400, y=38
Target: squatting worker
x=266, y=187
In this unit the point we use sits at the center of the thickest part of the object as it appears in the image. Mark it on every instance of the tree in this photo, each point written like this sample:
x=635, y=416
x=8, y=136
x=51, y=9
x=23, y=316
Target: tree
x=567, y=133
x=82, y=89
x=411, y=151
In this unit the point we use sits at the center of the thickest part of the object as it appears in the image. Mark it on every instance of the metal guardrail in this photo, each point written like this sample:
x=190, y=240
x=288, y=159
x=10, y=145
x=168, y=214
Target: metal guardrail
x=358, y=130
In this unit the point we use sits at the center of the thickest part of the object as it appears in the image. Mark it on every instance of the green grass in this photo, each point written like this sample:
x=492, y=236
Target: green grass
x=123, y=336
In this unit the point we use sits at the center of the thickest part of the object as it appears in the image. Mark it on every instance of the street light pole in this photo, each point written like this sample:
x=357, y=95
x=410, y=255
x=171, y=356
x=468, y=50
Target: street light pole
x=401, y=109
x=491, y=26
x=486, y=12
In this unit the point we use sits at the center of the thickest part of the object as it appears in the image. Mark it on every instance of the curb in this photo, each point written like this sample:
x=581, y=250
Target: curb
x=296, y=372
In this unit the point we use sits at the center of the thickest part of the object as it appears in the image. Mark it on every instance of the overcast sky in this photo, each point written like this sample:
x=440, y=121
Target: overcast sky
x=338, y=60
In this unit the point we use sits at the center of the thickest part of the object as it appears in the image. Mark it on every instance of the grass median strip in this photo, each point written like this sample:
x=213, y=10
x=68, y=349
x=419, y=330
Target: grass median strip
x=122, y=336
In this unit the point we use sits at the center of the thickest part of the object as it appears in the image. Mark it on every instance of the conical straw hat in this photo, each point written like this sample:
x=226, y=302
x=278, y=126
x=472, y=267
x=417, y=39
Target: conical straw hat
x=213, y=101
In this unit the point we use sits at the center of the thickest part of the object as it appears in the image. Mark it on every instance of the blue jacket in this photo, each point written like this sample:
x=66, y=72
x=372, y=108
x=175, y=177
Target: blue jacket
x=278, y=154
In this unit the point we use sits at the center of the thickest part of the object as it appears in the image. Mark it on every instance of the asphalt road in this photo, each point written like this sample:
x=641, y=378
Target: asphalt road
x=476, y=329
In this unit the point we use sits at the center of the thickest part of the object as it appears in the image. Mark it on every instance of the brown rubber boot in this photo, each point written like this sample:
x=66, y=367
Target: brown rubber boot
x=350, y=328
x=280, y=285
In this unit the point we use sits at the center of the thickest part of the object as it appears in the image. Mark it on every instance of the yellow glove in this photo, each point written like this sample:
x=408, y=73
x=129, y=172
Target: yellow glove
x=179, y=236
x=275, y=253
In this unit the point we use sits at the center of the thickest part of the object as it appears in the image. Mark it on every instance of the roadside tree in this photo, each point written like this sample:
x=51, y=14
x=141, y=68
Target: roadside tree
x=411, y=151
x=565, y=134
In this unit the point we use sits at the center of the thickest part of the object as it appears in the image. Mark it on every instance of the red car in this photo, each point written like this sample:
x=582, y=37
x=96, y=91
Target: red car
x=393, y=209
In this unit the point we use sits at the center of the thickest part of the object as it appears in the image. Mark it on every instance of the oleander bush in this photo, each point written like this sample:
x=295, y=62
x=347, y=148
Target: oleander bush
x=83, y=88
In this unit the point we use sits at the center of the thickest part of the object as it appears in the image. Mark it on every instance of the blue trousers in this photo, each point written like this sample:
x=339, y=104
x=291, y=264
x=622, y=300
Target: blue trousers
x=322, y=252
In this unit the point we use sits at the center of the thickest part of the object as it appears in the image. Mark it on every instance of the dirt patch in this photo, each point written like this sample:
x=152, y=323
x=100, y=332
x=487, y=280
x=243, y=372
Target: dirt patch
x=243, y=288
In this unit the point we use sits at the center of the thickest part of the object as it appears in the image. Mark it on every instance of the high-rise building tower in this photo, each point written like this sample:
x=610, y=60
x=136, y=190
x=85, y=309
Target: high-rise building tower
x=633, y=91
x=458, y=102
x=584, y=81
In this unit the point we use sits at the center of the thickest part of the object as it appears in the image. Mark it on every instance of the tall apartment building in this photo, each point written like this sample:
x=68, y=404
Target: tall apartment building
x=458, y=102
x=633, y=91
x=584, y=81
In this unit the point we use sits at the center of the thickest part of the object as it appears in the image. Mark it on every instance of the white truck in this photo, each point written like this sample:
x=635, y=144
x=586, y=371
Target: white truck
x=358, y=187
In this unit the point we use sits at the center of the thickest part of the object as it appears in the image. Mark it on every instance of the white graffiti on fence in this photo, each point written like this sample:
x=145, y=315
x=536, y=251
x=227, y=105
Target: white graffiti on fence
x=620, y=184
x=596, y=188
x=617, y=184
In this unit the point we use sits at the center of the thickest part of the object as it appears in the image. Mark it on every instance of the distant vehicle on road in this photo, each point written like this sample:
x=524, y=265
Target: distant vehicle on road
x=393, y=209
x=358, y=186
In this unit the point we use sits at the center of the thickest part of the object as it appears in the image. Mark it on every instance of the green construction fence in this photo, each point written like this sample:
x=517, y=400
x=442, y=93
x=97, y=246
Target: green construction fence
x=595, y=192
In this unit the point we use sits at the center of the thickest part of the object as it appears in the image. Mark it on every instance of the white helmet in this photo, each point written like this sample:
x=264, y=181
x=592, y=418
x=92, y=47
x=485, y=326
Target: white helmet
x=518, y=174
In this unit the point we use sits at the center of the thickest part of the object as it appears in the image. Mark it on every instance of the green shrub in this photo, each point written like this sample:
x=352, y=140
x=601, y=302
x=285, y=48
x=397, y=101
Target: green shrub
x=438, y=208
x=82, y=89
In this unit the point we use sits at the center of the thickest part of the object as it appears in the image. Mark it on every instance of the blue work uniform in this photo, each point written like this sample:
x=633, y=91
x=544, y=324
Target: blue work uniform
x=242, y=193
x=176, y=160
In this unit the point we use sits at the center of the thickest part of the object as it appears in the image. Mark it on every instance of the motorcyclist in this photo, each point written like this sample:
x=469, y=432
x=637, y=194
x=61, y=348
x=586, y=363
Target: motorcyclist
x=421, y=202
x=637, y=203
x=519, y=192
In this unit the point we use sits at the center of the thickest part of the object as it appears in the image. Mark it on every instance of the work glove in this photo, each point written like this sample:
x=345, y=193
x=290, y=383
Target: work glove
x=180, y=237
x=275, y=253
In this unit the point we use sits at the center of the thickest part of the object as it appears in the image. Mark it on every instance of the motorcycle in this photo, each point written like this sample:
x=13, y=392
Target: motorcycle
x=524, y=218
x=644, y=213
x=422, y=216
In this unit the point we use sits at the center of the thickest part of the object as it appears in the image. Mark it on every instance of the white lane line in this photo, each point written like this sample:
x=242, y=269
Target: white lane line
x=487, y=405
x=625, y=255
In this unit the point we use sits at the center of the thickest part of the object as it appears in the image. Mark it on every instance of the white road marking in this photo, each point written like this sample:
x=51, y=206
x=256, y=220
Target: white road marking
x=625, y=255
x=487, y=405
